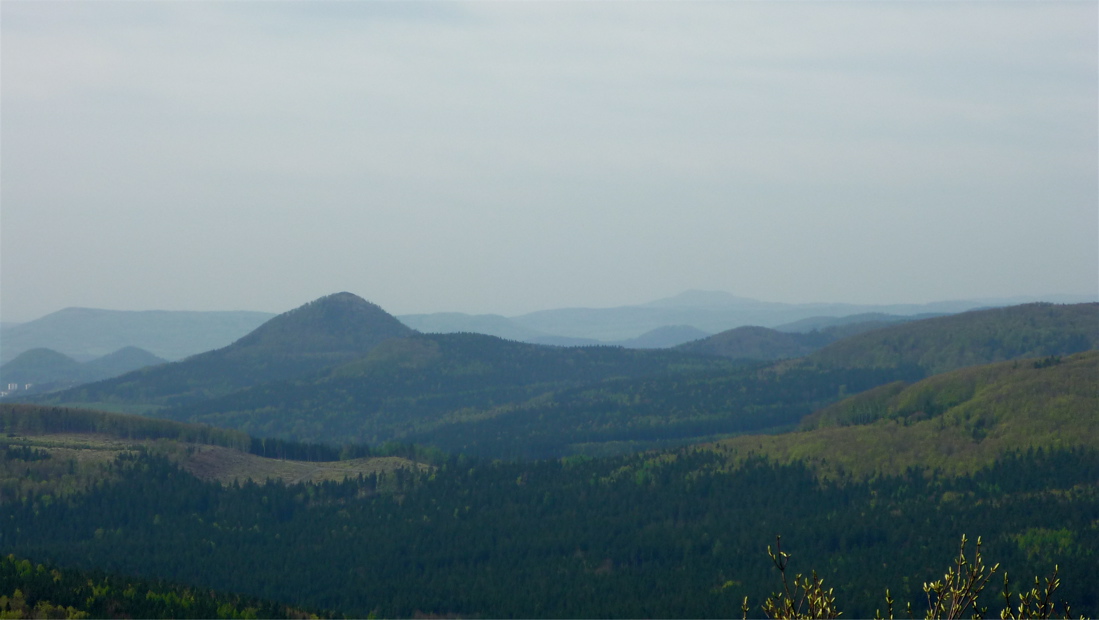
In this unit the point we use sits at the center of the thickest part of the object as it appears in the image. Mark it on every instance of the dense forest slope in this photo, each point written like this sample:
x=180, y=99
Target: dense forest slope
x=970, y=338
x=322, y=333
x=672, y=534
x=956, y=421
x=408, y=388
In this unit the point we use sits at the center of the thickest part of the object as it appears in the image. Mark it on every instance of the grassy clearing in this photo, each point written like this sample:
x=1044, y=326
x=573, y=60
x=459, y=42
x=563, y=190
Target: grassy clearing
x=80, y=459
x=227, y=466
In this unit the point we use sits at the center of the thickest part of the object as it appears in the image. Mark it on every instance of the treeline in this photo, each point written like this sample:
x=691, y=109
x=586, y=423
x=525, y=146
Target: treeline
x=669, y=535
x=30, y=590
x=39, y=420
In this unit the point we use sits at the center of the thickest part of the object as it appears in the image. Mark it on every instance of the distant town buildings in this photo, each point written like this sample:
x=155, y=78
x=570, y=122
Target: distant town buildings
x=15, y=387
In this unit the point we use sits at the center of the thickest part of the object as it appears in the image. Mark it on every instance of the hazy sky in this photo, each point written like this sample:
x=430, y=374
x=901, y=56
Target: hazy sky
x=509, y=157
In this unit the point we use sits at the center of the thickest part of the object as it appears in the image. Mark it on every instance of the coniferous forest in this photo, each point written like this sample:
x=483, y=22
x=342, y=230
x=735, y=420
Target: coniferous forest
x=677, y=535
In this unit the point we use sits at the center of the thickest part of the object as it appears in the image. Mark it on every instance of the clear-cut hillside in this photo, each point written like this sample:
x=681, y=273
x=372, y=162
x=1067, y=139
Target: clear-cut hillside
x=331, y=330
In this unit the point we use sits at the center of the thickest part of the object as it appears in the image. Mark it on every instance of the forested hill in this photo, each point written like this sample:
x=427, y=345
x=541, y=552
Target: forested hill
x=958, y=421
x=325, y=332
x=410, y=387
x=970, y=338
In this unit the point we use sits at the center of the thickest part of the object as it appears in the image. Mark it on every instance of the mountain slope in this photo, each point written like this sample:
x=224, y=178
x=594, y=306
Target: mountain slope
x=757, y=343
x=978, y=337
x=325, y=332
x=957, y=421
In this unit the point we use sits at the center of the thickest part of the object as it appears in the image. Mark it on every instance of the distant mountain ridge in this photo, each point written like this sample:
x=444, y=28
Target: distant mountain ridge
x=832, y=322
x=714, y=312
x=87, y=333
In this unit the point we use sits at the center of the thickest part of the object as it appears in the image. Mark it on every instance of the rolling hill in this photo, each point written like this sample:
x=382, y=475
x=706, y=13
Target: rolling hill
x=970, y=338
x=46, y=370
x=956, y=422
x=40, y=366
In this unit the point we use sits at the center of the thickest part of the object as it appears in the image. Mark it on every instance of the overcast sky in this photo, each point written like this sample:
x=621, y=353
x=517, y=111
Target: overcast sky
x=509, y=157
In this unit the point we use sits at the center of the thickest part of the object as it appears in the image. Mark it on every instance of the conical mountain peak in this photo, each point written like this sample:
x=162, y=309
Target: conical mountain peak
x=328, y=331
x=337, y=324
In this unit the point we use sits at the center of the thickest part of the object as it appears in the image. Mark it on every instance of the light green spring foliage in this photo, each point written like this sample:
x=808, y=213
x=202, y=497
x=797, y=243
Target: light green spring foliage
x=956, y=595
x=956, y=422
